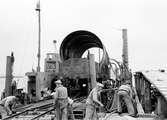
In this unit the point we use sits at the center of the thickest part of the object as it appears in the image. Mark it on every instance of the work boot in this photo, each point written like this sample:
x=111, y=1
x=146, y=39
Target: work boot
x=132, y=115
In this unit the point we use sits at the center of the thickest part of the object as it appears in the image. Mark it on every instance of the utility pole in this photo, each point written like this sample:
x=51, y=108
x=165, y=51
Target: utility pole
x=38, y=9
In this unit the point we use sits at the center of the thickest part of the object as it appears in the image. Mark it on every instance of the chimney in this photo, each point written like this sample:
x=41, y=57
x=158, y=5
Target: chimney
x=125, y=48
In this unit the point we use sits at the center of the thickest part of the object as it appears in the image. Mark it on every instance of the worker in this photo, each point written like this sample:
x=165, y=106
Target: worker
x=125, y=93
x=70, y=109
x=61, y=101
x=7, y=104
x=92, y=102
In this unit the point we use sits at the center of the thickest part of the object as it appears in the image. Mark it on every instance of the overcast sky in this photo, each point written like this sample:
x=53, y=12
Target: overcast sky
x=146, y=21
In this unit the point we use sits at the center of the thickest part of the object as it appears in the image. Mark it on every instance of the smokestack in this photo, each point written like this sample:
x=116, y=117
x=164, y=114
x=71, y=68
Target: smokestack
x=125, y=48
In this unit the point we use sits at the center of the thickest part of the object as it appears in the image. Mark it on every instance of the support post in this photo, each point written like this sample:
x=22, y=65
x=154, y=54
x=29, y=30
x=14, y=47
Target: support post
x=159, y=107
x=92, y=70
x=9, y=76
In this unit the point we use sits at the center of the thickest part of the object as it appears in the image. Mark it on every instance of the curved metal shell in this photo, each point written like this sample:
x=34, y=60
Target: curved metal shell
x=77, y=42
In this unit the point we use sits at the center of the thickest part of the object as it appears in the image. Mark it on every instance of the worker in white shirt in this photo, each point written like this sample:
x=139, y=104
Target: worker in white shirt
x=92, y=102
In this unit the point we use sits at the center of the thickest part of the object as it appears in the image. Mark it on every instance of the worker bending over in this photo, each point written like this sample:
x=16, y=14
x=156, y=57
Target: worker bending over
x=61, y=101
x=7, y=104
x=92, y=102
x=125, y=93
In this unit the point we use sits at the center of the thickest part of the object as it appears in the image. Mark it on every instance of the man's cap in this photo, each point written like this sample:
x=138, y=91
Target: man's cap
x=58, y=82
x=99, y=84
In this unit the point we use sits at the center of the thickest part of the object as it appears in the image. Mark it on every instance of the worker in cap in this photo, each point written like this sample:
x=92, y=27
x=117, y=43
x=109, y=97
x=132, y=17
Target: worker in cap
x=61, y=101
x=92, y=102
x=125, y=94
x=58, y=82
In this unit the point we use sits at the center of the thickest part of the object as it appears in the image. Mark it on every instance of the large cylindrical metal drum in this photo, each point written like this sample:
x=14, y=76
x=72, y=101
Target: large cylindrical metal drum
x=76, y=43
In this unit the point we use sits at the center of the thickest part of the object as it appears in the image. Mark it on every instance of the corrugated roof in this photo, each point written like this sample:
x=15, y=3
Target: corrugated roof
x=159, y=80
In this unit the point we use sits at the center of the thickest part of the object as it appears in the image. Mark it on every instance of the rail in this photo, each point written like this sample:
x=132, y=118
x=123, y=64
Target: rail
x=29, y=109
x=40, y=115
